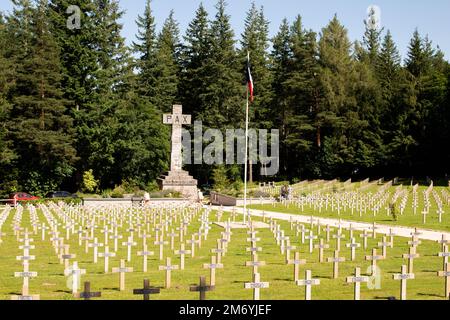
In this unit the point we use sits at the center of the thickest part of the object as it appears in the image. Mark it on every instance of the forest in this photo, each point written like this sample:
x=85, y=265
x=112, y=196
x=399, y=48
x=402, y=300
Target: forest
x=77, y=101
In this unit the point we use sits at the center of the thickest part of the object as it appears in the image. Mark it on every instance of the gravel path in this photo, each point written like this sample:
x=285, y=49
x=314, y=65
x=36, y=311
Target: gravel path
x=380, y=228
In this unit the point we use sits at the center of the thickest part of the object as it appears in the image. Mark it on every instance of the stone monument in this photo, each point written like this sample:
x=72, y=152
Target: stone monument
x=177, y=179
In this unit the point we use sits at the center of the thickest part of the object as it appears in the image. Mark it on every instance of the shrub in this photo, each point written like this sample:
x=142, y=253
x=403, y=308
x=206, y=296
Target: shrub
x=130, y=186
x=8, y=187
x=166, y=194
x=152, y=186
x=118, y=192
x=106, y=193
x=69, y=201
x=296, y=180
x=139, y=193
x=238, y=186
x=89, y=182
x=220, y=179
x=393, y=210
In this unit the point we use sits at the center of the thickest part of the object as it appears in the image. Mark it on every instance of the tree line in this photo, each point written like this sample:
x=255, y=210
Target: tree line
x=75, y=100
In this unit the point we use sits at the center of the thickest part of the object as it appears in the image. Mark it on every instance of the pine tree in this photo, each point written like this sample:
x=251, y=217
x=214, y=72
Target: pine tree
x=195, y=56
x=98, y=124
x=281, y=55
x=223, y=103
x=415, y=131
x=302, y=89
x=212, y=86
x=255, y=40
x=388, y=64
x=141, y=143
x=338, y=106
x=145, y=48
x=7, y=154
x=42, y=132
x=371, y=40
x=167, y=70
x=78, y=52
x=415, y=60
x=389, y=76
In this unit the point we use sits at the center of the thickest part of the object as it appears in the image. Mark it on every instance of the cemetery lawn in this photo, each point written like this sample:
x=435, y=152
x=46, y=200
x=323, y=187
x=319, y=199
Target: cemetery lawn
x=51, y=283
x=408, y=219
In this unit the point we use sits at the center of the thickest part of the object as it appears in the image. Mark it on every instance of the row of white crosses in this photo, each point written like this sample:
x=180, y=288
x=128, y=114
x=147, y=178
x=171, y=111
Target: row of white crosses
x=415, y=199
x=362, y=202
x=338, y=202
x=26, y=257
x=74, y=271
x=222, y=243
x=407, y=271
x=57, y=241
x=256, y=285
x=308, y=282
x=440, y=211
x=3, y=216
x=426, y=202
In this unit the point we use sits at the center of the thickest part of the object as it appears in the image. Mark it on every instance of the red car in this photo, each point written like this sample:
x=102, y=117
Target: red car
x=21, y=197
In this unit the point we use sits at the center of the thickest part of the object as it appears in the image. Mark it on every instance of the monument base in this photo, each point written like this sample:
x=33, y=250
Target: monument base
x=180, y=181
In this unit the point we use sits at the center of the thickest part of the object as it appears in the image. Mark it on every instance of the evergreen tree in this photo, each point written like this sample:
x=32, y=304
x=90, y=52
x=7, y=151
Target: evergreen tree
x=195, y=56
x=211, y=75
x=145, y=48
x=416, y=56
x=371, y=40
x=255, y=43
x=78, y=52
x=389, y=75
x=141, y=143
x=303, y=98
x=338, y=119
x=388, y=65
x=167, y=70
x=255, y=40
x=72, y=100
x=223, y=103
x=42, y=132
x=98, y=124
x=281, y=55
x=7, y=154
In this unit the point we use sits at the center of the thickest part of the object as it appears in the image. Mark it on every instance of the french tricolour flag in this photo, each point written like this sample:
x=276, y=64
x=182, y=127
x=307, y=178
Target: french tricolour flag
x=249, y=78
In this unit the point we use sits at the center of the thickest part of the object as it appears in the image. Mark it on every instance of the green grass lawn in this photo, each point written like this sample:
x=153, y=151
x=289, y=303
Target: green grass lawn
x=408, y=218
x=51, y=283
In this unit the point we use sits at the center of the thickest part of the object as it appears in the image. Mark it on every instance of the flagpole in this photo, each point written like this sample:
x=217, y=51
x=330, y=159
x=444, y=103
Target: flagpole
x=246, y=160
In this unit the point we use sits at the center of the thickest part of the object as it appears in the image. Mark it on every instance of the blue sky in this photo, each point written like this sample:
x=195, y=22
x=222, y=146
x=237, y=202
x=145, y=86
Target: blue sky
x=400, y=16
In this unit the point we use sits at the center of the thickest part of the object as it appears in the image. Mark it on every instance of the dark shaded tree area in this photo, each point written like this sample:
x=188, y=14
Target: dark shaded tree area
x=72, y=100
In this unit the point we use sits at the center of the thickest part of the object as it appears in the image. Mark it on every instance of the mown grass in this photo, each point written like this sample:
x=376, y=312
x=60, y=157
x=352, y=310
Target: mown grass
x=408, y=218
x=51, y=283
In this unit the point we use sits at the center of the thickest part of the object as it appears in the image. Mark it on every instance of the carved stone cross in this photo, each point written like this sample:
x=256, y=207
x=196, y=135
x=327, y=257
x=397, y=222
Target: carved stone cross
x=177, y=119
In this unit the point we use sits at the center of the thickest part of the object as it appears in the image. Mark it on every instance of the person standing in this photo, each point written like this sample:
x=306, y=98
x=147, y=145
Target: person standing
x=146, y=199
x=200, y=196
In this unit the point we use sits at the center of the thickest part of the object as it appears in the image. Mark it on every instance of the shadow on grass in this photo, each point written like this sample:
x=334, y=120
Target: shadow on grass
x=285, y=279
x=63, y=291
x=430, y=295
x=326, y=277
x=111, y=289
x=384, y=298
